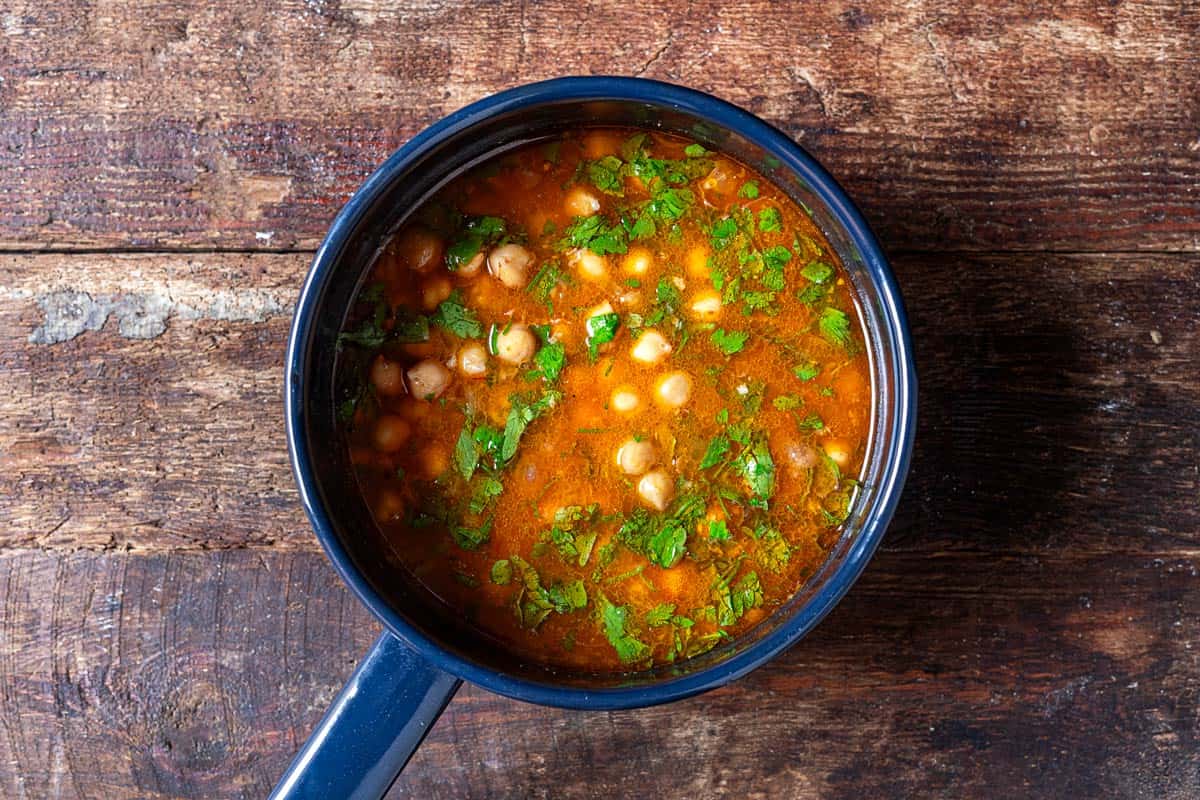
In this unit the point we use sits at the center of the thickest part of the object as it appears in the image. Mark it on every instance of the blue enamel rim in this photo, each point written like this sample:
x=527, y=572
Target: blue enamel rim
x=719, y=113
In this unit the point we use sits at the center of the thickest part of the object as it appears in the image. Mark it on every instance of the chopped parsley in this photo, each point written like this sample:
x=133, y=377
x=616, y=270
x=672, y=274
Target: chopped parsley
x=629, y=648
x=523, y=412
x=729, y=342
x=694, y=150
x=502, y=572
x=596, y=234
x=550, y=358
x=749, y=190
x=817, y=271
x=455, y=317
x=601, y=329
x=716, y=451
x=835, y=327
x=606, y=175
x=787, y=402
x=718, y=531
x=770, y=220
x=544, y=282
x=471, y=537
x=807, y=371
x=478, y=232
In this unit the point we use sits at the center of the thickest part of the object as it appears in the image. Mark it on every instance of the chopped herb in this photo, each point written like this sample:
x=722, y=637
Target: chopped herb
x=771, y=552
x=716, y=451
x=466, y=456
x=817, y=271
x=502, y=572
x=478, y=232
x=520, y=415
x=770, y=220
x=629, y=648
x=718, y=531
x=660, y=615
x=666, y=547
x=835, y=327
x=545, y=280
x=470, y=538
x=729, y=342
x=722, y=233
x=723, y=416
x=807, y=371
x=749, y=190
x=596, y=234
x=787, y=402
x=601, y=329
x=812, y=293
x=759, y=470
x=487, y=489
x=733, y=602
x=605, y=175
x=550, y=358
x=812, y=422
x=695, y=151
x=455, y=317
x=774, y=260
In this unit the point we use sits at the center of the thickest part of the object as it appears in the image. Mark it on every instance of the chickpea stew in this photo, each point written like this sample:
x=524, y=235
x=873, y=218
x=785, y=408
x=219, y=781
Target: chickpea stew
x=607, y=397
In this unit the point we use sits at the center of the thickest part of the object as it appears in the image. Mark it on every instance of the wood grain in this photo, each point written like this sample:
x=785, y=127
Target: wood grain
x=195, y=675
x=1058, y=404
x=1010, y=125
x=1029, y=629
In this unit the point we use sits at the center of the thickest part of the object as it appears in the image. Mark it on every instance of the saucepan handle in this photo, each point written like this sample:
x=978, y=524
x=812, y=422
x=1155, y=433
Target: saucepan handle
x=372, y=729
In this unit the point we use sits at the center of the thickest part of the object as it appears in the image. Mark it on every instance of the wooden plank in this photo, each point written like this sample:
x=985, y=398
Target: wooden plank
x=195, y=675
x=1014, y=125
x=1059, y=404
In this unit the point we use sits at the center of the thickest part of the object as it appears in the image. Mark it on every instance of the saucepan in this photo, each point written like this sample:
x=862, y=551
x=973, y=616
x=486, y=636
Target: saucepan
x=417, y=663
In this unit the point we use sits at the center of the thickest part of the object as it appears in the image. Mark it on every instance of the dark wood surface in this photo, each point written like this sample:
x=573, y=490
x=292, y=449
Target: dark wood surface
x=1031, y=627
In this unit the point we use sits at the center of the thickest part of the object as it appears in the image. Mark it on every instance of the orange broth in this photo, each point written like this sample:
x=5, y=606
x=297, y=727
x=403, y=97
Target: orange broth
x=493, y=357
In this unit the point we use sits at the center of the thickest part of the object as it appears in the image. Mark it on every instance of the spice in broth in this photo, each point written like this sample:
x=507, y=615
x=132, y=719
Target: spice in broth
x=607, y=397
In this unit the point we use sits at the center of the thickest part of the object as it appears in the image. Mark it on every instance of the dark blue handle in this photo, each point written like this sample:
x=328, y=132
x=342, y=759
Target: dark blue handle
x=372, y=729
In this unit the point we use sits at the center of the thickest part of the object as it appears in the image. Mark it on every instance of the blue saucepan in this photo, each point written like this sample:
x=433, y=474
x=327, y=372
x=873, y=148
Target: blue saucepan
x=419, y=660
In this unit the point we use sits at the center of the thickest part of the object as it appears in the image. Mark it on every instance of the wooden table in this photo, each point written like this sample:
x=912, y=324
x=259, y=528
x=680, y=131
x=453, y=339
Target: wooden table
x=1030, y=627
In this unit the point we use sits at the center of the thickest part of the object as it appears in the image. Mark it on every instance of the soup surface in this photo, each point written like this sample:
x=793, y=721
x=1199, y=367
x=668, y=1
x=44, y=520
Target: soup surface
x=606, y=397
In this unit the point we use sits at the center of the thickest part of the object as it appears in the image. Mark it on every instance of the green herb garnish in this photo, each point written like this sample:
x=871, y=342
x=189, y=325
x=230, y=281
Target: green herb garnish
x=729, y=342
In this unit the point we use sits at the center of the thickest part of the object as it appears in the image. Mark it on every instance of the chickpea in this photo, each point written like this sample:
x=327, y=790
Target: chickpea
x=389, y=506
x=434, y=460
x=428, y=379
x=637, y=261
x=591, y=267
x=656, y=489
x=651, y=348
x=387, y=377
x=837, y=450
x=509, y=264
x=419, y=249
x=625, y=400
x=600, y=310
x=472, y=267
x=581, y=202
x=390, y=433
x=435, y=291
x=635, y=457
x=515, y=345
x=674, y=389
x=706, y=305
x=696, y=262
x=599, y=144
x=472, y=360
x=800, y=456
